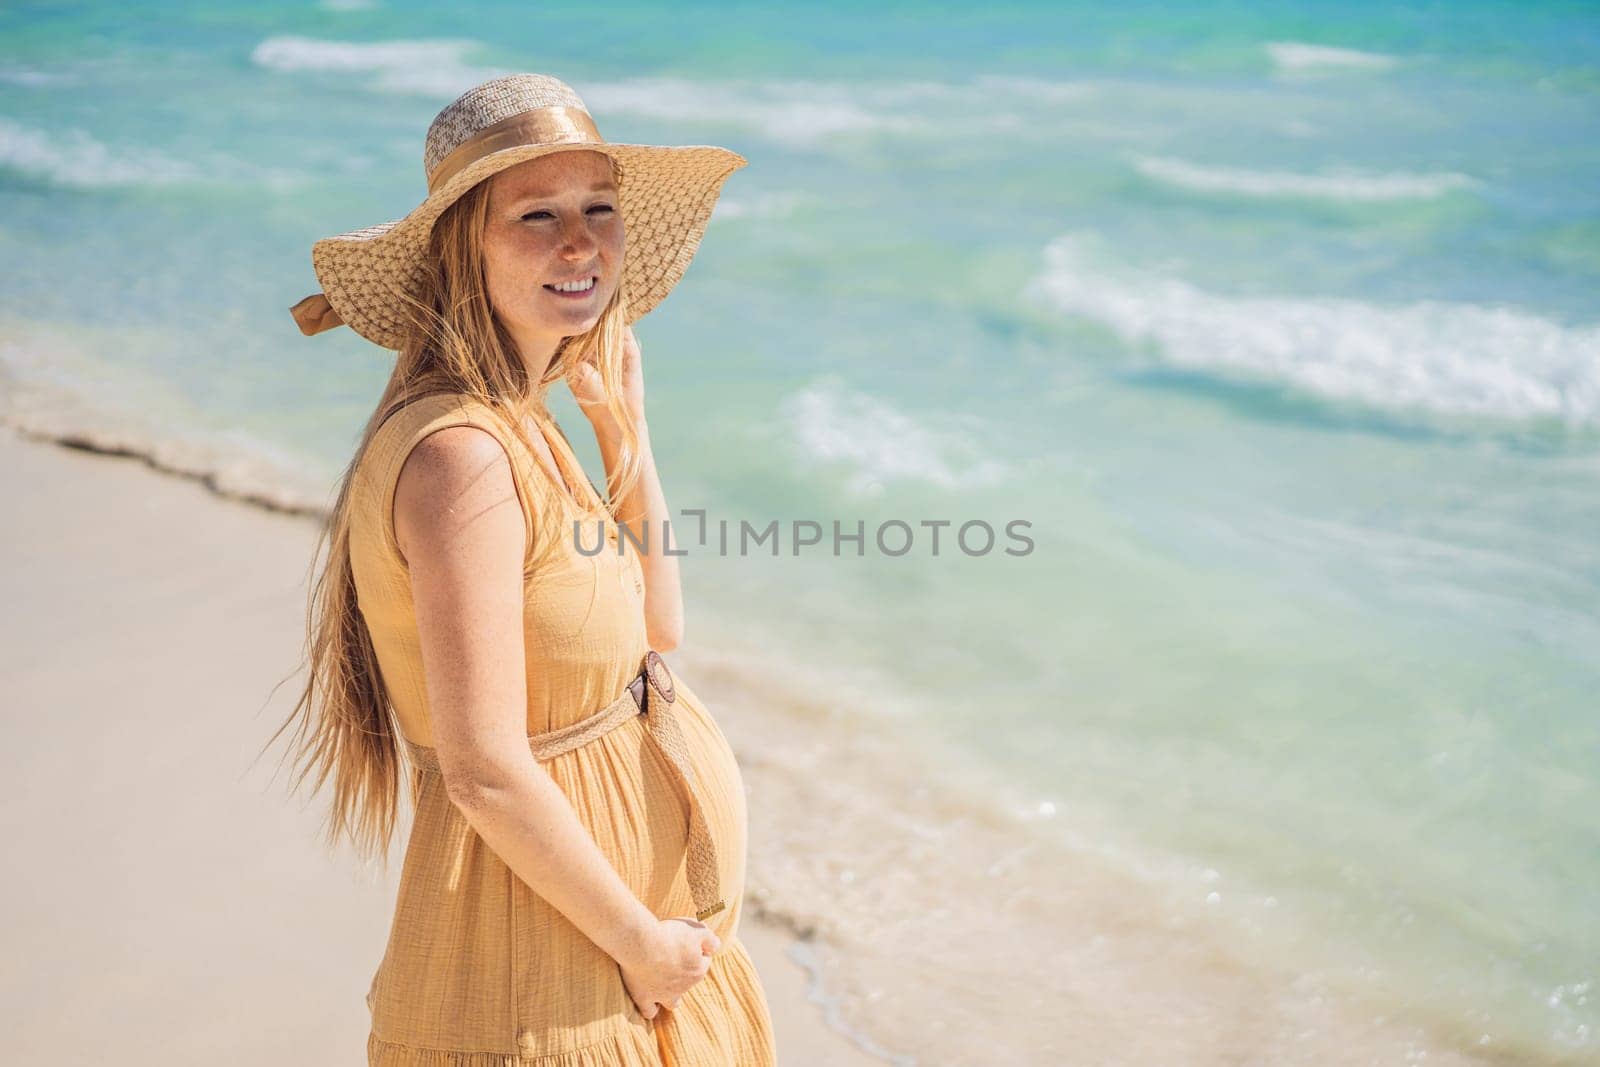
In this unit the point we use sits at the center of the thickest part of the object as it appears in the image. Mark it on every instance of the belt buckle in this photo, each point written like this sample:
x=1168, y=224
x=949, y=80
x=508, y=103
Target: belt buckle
x=656, y=669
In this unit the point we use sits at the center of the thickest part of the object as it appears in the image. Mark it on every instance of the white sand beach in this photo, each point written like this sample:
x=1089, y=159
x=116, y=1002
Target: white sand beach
x=169, y=900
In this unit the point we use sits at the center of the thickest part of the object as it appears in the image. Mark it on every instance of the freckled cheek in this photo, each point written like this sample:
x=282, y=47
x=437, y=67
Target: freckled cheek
x=502, y=278
x=517, y=265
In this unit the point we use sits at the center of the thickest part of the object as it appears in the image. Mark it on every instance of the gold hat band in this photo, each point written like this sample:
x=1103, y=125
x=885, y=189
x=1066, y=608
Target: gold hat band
x=545, y=125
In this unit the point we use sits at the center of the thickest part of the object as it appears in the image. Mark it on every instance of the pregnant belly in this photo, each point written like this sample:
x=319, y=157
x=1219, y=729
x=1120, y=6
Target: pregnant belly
x=721, y=788
x=626, y=792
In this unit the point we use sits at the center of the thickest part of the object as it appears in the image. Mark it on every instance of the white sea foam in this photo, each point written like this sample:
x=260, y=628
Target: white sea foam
x=307, y=53
x=1035, y=89
x=72, y=157
x=1449, y=357
x=1339, y=185
x=806, y=113
x=35, y=79
x=425, y=67
x=51, y=390
x=760, y=206
x=791, y=113
x=881, y=444
x=1299, y=57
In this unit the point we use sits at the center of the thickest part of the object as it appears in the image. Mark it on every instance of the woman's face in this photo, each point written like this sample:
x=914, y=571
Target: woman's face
x=552, y=220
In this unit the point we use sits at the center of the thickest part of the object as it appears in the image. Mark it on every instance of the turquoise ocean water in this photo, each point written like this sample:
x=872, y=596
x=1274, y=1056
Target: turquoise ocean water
x=1278, y=325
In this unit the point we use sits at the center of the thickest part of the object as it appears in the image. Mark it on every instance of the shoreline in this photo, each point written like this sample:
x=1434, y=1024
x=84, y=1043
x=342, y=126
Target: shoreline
x=161, y=646
x=807, y=928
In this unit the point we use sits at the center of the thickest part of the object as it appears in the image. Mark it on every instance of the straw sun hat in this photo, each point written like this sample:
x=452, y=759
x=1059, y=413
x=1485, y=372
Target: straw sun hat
x=666, y=193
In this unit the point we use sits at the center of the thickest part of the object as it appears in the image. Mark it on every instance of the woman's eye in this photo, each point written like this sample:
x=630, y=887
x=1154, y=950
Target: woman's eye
x=546, y=214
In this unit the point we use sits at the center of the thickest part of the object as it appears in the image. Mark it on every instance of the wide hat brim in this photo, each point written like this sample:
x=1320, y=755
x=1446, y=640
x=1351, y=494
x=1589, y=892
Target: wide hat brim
x=666, y=194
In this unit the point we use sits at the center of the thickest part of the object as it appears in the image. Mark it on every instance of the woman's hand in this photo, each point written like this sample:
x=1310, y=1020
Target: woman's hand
x=584, y=381
x=673, y=960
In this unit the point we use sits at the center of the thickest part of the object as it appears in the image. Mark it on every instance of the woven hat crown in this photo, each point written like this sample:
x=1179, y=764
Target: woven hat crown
x=489, y=103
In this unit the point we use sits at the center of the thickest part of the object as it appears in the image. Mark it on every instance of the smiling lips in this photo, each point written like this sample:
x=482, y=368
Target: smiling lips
x=576, y=290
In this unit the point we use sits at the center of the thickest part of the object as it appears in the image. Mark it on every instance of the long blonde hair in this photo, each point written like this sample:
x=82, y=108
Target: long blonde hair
x=455, y=343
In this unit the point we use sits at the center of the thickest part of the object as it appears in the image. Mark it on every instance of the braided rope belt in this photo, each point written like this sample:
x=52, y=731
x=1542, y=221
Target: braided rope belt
x=650, y=694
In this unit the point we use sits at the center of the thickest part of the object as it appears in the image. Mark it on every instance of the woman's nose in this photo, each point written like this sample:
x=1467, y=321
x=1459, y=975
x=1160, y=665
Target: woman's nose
x=576, y=238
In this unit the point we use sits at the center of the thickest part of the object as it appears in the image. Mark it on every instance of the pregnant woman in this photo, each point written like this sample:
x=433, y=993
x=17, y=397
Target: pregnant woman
x=572, y=883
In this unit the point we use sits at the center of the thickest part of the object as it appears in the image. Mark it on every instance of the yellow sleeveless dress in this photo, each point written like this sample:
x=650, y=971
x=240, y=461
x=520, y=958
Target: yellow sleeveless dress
x=479, y=970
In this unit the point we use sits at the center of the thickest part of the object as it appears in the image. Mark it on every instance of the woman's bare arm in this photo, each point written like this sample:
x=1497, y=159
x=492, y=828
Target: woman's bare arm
x=646, y=505
x=663, y=592
x=460, y=526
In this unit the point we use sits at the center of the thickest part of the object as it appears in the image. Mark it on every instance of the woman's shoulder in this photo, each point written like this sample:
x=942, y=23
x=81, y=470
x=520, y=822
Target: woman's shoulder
x=441, y=403
x=405, y=424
